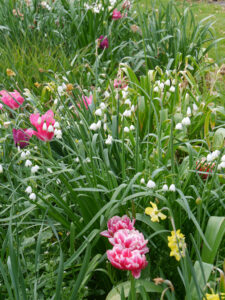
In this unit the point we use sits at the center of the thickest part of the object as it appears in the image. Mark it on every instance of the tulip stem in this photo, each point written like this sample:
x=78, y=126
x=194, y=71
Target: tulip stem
x=132, y=287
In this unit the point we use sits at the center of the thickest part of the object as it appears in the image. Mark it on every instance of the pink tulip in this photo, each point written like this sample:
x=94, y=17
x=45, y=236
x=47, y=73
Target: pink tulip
x=12, y=99
x=131, y=239
x=116, y=15
x=44, y=125
x=87, y=100
x=125, y=259
x=104, y=42
x=22, y=136
x=116, y=223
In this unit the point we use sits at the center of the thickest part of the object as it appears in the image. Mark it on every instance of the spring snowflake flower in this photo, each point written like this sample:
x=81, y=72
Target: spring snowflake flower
x=154, y=213
x=156, y=89
x=1, y=169
x=132, y=127
x=186, y=121
x=106, y=94
x=28, y=190
x=195, y=107
x=32, y=196
x=124, y=94
x=28, y=163
x=102, y=106
x=172, y=188
x=167, y=82
x=176, y=242
x=34, y=169
x=151, y=184
x=221, y=165
x=165, y=188
x=188, y=111
x=128, y=102
x=23, y=155
x=126, y=129
x=172, y=89
x=98, y=112
x=179, y=126
x=142, y=181
x=127, y=113
x=109, y=140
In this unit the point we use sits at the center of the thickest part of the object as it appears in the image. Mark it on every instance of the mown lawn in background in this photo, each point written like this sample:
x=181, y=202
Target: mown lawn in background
x=202, y=10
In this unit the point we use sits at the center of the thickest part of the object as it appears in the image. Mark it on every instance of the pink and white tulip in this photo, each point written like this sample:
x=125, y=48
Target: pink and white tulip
x=125, y=259
x=87, y=100
x=116, y=223
x=130, y=239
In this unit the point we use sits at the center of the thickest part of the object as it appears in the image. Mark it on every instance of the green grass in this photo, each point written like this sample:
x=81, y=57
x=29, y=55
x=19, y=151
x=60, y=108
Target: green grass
x=201, y=10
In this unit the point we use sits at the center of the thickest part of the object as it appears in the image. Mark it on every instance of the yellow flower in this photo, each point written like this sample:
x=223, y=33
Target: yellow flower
x=10, y=73
x=215, y=296
x=154, y=213
x=37, y=84
x=176, y=242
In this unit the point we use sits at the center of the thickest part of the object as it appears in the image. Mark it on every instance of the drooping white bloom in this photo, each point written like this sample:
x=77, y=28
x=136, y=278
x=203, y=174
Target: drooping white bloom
x=179, y=126
x=124, y=94
x=132, y=127
x=167, y=82
x=28, y=190
x=88, y=160
x=105, y=126
x=106, y=94
x=23, y=155
x=195, y=107
x=109, y=140
x=93, y=127
x=102, y=105
x=27, y=153
x=172, y=89
x=34, y=169
x=128, y=102
x=132, y=108
x=32, y=196
x=50, y=128
x=223, y=158
x=44, y=127
x=221, y=165
x=99, y=123
x=58, y=133
x=161, y=86
x=56, y=125
x=186, y=121
x=28, y=163
x=188, y=111
x=127, y=113
x=165, y=188
x=1, y=169
x=209, y=157
x=151, y=184
x=156, y=89
x=49, y=170
x=126, y=129
x=77, y=159
x=98, y=112
x=215, y=154
x=172, y=188
x=142, y=181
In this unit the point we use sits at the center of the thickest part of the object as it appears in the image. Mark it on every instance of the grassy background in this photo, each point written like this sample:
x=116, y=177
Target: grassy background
x=201, y=10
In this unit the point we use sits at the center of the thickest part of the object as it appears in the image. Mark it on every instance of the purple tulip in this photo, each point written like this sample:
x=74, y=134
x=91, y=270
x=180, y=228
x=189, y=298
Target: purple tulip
x=104, y=43
x=21, y=137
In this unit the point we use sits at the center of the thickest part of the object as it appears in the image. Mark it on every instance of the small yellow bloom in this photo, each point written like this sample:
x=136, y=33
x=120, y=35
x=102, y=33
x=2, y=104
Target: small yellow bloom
x=154, y=213
x=37, y=84
x=215, y=296
x=176, y=242
x=10, y=73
